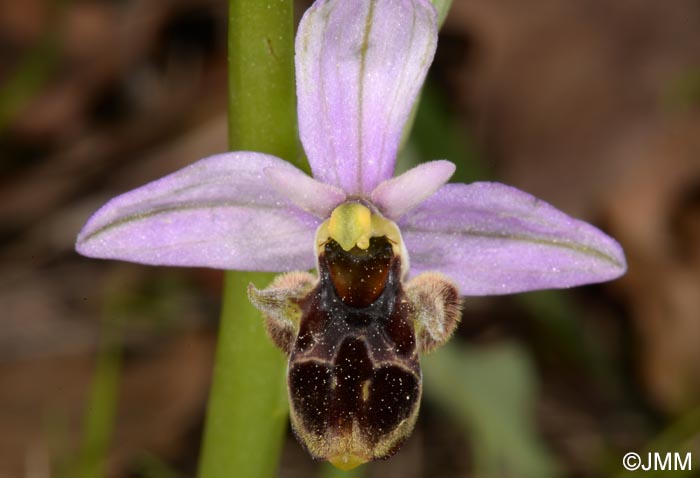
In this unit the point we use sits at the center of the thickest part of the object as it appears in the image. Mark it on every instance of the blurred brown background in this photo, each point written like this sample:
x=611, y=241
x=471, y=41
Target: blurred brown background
x=592, y=105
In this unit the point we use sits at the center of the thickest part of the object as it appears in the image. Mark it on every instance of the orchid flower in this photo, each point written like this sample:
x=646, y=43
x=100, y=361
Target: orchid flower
x=393, y=254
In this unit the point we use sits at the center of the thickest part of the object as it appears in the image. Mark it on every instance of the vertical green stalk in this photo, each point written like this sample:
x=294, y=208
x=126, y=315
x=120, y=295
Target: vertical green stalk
x=102, y=404
x=247, y=412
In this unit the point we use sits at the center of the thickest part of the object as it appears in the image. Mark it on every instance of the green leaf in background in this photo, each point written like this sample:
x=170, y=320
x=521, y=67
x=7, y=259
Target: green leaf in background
x=101, y=408
x=490, y=392
x=34, y=69
x=151, y=466
x=559, y=326
x=442, y=7
x=683, y=92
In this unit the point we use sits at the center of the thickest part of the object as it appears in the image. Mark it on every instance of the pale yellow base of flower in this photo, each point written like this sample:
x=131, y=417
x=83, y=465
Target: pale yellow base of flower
x=346, y=462
x=352, y=224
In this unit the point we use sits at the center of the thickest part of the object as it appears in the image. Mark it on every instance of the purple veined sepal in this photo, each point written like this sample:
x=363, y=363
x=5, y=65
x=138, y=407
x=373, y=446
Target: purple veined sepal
x=220, y=212
x=359, y=68
x=495, y=239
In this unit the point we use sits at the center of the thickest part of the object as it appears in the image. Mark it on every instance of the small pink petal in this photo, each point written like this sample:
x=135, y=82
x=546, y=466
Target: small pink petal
x=219, y=212
x=494, y=239
x=305, y=192
x=396, y=196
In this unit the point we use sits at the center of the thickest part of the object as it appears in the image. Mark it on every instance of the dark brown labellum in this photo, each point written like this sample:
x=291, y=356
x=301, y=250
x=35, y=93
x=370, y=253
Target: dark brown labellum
x=353, y=336
x=354, y=376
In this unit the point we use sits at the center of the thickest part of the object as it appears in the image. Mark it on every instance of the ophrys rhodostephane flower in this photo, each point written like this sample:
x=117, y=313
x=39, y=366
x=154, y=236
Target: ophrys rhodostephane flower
x=393, y=255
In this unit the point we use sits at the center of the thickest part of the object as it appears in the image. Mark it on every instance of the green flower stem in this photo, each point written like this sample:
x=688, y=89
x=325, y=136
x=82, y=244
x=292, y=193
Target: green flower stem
x=262, y=100
x=247, y=412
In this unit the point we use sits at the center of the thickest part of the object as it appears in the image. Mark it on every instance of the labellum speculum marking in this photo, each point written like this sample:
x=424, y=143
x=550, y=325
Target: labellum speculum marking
x=353, y=336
